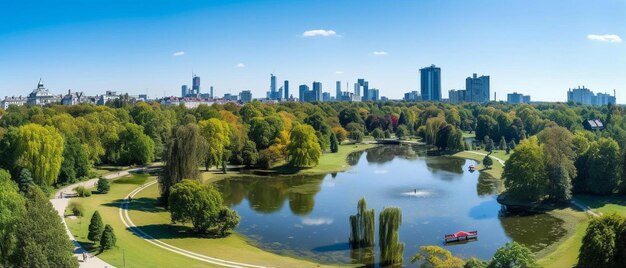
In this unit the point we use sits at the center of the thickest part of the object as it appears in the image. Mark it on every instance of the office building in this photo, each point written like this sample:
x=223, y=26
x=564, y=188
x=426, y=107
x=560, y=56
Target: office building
x=477, y=89
x=184, y=90
x=362, y=89
x=245, y=96
x=430, y=83
x=587, y=97
x=517, y=98
x=302, y=91
x=412, y=96
x=338, y=91
x=195, y=85
x=317, y=90
x=230, y=97
x=212, y=92
x=373, y=94
x=286, y=89
x=326, y=96
x=456, y=96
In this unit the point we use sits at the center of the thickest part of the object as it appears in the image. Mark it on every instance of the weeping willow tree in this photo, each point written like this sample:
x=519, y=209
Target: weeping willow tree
x=391, y=250
x=362, y=226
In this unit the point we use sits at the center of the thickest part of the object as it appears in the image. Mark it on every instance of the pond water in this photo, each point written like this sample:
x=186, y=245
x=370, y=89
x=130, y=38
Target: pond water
x=307, y=216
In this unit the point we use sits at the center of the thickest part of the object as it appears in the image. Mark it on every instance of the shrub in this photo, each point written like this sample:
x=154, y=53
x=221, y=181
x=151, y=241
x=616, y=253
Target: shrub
x=77, y=209
x=82, y=191
x=103, y=186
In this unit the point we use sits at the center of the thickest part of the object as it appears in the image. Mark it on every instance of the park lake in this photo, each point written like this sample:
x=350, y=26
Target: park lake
x=307, y=216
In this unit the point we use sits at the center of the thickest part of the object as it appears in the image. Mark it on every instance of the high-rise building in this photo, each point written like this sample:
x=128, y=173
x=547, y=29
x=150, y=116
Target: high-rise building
x=517, y=98
x=303, y=89
x=430, y=83
x=195, y=85
x=477, y=89
x=411, y=96
x=338, y=91
x=587, y=97
x=212, y=92
x=184, y=90
x=363, y=88
x=245, y=96
x=273, y=93
x=286, y=89
x=317, y=90
x=326, y=96
x=374, y=94
x=456, y=95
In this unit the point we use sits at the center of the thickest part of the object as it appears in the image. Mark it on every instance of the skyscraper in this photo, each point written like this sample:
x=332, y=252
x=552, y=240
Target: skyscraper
x=211, y=92
x=338, y=91
x=326, y=96
x=195, y=85
x=245, y=96
x=477, y=89
x=430, y=83
x=184, y=90
x=317, y=90
x=273, y=93
x=286, y=89
x=456, y=96
x=363, y=88
x=302, y=92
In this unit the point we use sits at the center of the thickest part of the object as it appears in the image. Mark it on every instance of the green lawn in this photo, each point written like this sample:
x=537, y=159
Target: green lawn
x=133, y=251
x=496, y=169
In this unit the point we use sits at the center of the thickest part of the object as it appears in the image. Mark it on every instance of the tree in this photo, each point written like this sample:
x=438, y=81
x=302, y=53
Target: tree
x=475, y=263
x=603, y=243
x=36, y=142
x=559, y=156
x=25, y=180
x=513, y=255
x=12, y=208
x=108, y=239
x=227, y=220
x=524, y=173
x=603, y=176
x=512, y=144
x=437, y=257
x=42, y=241
x=216, y=133
x=485, y=126
x=190, y=201
x=96, y=227
x=488, y=144
x=135, y=146
x=502, y=145
x=487, y=162
x=103, y=186
x=249, y=154
x=334, y=144
x=362, y=226
x=349, y=115
x=75, y=161
x=303, y=148
x=455, y=140
x=183, y=156
x=377, y=134
x=391, y=250
x=340, y=132
x=402, y=132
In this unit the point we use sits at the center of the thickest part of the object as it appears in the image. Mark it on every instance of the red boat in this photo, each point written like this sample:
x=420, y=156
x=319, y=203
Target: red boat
x=461, y=235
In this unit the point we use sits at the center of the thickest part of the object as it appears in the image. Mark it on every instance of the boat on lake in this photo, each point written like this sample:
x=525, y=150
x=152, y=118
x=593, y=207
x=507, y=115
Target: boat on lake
x=460, y=236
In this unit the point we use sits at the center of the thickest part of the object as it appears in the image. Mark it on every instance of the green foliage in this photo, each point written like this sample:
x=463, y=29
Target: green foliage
x=378, y=134
x=437, y=257
x=42, y=241
x=513, y=255
x=334, y=144
x=75, y=163
x=524, y=173
x=502, y=145
x=135, y=147
x=475, y=263
x=227, y=220
x=216, y=134
x=559, y=157
x=402, y=132
x=108, y=239
x=25, y=180
x=190, y=201
x=34, y=143
x=604, y=243
x=184, y=154
x=249, y=154
x=77, y=209
x=362, y=226
x=81, y=191
x=391, y=250
x=304, y=149
x=605, y=176
x=96, y=227
x=487, y=161
x=103, y=186
x=11, y=210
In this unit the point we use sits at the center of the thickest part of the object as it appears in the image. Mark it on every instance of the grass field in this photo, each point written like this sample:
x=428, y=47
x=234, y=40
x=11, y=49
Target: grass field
x=132, y=251
x=496, y=169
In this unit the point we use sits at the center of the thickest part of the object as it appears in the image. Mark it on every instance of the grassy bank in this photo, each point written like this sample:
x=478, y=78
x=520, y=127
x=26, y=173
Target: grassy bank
x=134, y=251
x=496, y=169
x=328, y=163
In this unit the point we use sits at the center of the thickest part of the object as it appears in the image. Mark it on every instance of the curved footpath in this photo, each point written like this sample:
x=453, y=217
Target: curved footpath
x=60, y=202
x=123, y=212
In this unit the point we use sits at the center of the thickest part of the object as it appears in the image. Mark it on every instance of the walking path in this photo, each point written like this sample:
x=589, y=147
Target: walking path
x=497, y=159
x=60, y=202
x=137, y=231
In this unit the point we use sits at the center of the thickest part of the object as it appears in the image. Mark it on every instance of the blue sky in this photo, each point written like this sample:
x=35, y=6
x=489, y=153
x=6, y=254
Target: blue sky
x=540, y=48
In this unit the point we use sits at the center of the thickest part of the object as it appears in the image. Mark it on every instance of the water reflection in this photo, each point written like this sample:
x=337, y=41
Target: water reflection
x=534, y=231
x=487, y=185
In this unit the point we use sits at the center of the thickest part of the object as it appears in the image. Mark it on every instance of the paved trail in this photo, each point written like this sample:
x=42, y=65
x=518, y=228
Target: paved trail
x=60, y=202
x=137, y=231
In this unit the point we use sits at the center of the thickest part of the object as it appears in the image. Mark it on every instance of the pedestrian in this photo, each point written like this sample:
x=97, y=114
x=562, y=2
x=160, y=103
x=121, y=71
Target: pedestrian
x=84, y=256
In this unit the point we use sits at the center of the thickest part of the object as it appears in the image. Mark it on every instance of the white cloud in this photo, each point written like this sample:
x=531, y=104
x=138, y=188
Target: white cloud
x=317, y=221
x=611, y=38
x=338, y=72
x=380, y=53
x=320, y=32
x=240, y=65
x=178, y=53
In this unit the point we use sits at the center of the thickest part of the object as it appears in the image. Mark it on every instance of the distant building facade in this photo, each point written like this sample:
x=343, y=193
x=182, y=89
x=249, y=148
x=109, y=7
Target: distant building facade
x=477, y=89
x=245, y=96
x=517, y=98
x=456, y=95
x=8, y=101
x=430, y=83
x=42, y=96
x=582, y=95
x=412, y=96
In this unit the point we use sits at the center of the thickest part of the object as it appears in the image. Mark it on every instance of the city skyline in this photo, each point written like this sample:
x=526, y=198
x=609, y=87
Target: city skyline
x=97, y=47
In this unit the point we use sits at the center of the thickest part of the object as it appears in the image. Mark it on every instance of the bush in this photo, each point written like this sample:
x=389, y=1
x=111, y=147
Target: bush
x=103, y=186
x=108, y=239
x=82, y=191
x=227, y=220
x=77, y=209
